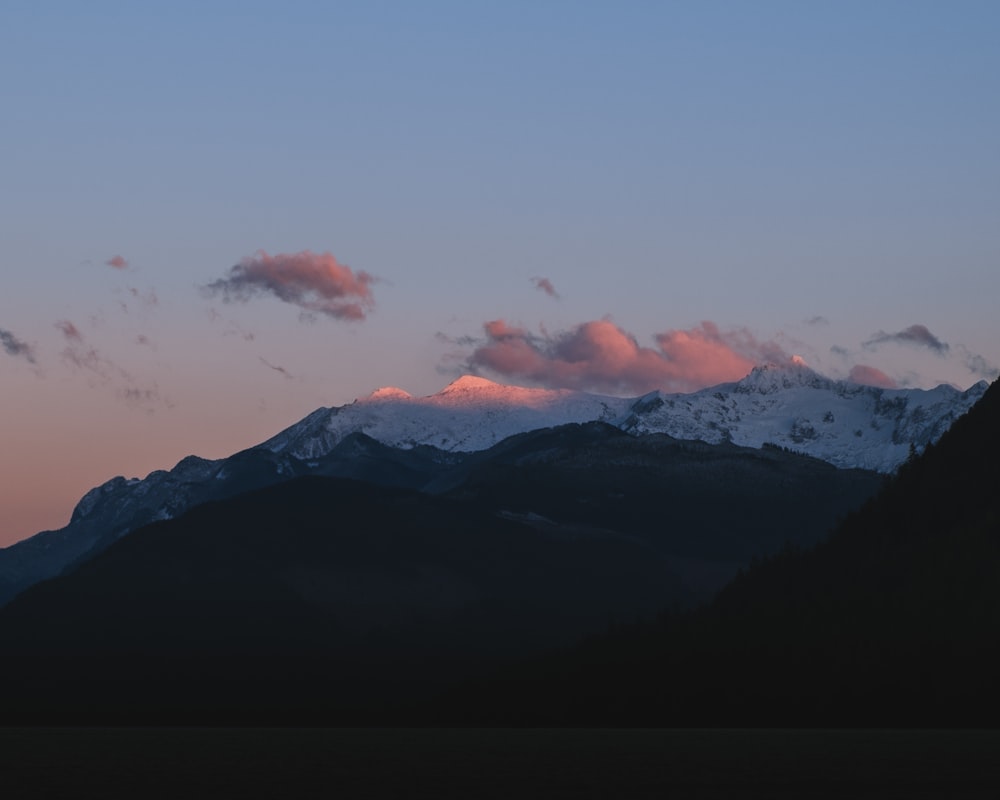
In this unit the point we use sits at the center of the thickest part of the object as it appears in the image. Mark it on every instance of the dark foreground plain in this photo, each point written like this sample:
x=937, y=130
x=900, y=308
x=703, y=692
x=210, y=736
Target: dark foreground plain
x=498, y=763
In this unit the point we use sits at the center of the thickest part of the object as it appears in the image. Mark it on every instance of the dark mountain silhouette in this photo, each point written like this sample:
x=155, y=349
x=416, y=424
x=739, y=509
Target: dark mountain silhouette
x=895, y=620
x=121, y=506
x=314, y=593
x=325, y=598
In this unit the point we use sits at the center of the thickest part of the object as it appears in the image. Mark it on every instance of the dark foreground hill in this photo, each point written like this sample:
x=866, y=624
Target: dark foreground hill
x=894, y=621
x=335, y=600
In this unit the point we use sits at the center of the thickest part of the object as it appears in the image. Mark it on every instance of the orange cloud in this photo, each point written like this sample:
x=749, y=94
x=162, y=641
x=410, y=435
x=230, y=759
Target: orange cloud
x=315, y=282
x=600, y=356
x=870, y=376
x=117, y=262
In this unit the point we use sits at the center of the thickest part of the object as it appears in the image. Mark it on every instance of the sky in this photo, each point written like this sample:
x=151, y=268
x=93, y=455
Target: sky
x=216, y=217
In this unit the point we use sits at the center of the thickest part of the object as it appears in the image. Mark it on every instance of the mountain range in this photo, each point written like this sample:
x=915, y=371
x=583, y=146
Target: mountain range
x=788, y=405
x=565, y=574
x=394, y=439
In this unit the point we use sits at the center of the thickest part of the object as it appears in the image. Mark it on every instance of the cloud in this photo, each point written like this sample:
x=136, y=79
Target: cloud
x=105, y=372
x=545, y=285
x=275, y=367
x=870, y=376
x=917, y=335
x=117, y=262
x=601, y=356
x=69, y=330
x=15, y=347
x=148, y=299
x=978, y=365
x=817, y=320
x=316, y=283
x=232, y=328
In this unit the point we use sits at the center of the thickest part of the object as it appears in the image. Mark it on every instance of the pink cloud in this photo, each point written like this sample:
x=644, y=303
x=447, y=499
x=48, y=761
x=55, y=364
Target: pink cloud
x=600, y=356
x=545, y=285
x=315, y=282
x=103, y=370
x=117, y=262
x=870, y=376
x=69, y=330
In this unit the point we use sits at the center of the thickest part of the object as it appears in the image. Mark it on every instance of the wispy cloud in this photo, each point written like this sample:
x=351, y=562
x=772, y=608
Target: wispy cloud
x=917, y=335
x=817, y=320
x=545, y=285
x=315, y=282
x=978, y=365
x=117, y=262
x=69, y=331
x=232, y=328
x=16, y=347
x=870, y=376
x=103, y=371
x=146, y=299
x=275, y=367
x=601, y=356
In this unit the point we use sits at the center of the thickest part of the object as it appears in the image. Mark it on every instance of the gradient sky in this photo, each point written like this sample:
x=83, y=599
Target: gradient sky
x=218, y=216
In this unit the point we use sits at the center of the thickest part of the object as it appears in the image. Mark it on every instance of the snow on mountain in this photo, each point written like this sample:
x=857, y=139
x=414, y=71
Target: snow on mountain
x=790, y=406
x=469, y=414
x=846, y=424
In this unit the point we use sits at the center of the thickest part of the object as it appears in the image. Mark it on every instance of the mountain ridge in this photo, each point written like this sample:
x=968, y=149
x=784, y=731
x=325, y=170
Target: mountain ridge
x=789, y=406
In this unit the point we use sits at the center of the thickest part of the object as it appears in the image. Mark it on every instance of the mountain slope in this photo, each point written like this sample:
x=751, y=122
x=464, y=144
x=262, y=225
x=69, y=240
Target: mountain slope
x=893, y=621
x=341, y=589
x=314, y=594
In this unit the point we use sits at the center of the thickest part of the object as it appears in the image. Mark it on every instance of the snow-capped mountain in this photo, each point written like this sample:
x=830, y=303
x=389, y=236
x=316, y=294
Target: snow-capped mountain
x=393, y=438
x=792, y=406
x=846, y=424
x=469, y=414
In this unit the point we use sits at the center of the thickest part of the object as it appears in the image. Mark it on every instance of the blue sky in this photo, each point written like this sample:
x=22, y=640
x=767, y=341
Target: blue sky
x=756, y=165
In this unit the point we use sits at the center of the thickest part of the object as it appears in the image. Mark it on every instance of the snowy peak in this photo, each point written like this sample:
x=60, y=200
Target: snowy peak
x=787, y=405
x=471, y=413
x=771, y=378
x=472, y=391
x=472, y=383
x=792, y=406
x=389, y=393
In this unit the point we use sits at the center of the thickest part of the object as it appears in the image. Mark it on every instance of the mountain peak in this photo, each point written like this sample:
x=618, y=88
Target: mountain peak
x=773, y=376
x=389, y=393
x=470, y=383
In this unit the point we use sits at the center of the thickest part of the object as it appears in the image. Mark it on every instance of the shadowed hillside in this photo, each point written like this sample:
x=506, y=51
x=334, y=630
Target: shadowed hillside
x=343, y=600
x=894, y=621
